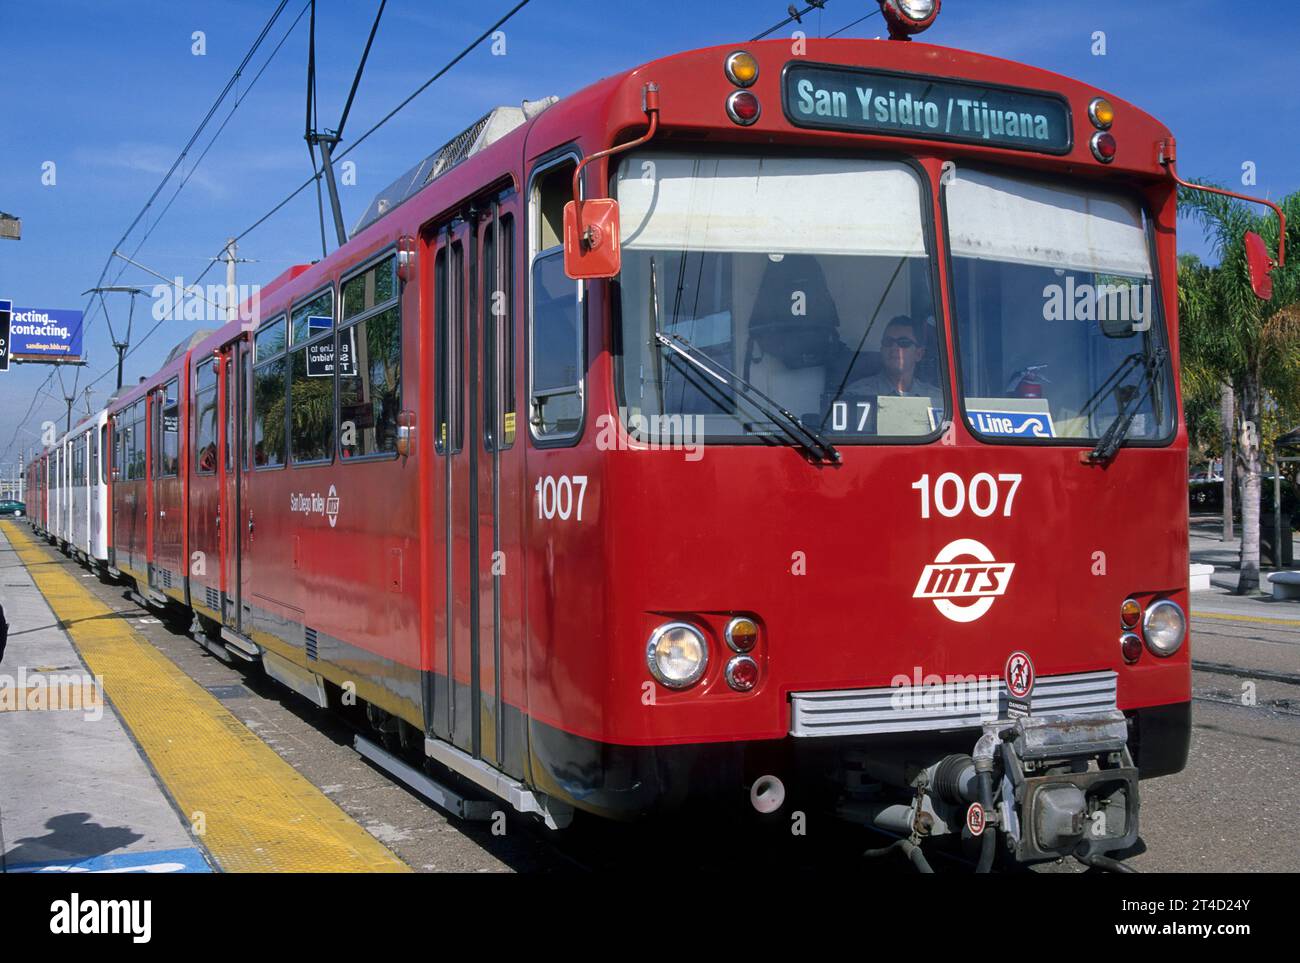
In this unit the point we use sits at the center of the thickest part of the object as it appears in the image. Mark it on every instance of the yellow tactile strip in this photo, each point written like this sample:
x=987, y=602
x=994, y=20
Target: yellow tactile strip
x=257, y=812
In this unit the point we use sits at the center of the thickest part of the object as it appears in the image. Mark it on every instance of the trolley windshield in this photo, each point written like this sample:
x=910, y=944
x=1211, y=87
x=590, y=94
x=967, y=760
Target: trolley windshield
x=1056, y=317
x=806, y=279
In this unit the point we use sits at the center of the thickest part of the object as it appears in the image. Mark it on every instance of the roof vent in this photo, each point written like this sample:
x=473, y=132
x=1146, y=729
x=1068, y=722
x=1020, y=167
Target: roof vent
x=487, y=130
x=202, y=334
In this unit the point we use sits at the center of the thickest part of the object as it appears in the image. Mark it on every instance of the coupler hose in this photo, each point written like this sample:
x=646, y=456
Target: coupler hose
x=988, y=839
x=912, y=851
x=1105, y=862
x=983, y=755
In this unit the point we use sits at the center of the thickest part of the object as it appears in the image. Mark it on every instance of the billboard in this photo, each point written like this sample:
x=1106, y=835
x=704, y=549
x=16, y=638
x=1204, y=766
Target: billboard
x=45, y=332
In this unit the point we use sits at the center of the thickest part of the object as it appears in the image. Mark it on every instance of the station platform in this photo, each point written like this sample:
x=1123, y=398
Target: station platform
x=114, y=760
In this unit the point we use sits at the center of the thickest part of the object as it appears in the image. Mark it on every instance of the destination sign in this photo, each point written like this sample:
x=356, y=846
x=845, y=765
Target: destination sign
x=879, y=102
x=321, y=360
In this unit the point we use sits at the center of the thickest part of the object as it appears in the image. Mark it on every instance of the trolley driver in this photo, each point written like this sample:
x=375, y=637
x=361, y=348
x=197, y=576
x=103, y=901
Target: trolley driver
x=902, y=348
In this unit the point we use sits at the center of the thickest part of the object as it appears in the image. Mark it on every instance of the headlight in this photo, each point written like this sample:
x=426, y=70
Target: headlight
x=1165, y=627
x=677, y=655
x=906, y=17
x=916, y=9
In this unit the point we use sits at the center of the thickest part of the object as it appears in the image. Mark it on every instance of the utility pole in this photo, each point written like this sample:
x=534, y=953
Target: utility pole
x=232, y=292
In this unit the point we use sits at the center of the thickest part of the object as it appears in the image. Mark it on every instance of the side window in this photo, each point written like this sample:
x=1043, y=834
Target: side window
x=105, y=454
x=556, y=360
x=268, y=395
x=128, y=444
x=311, y=391
x=245, y=379
x=368, y=359
x=499, y=327
x=205, y=418
x=138, y=447
x=442, y=396
x=169, y=430
x=231, y=441
x=172, y=427
x=119, y=445
x=448, y=339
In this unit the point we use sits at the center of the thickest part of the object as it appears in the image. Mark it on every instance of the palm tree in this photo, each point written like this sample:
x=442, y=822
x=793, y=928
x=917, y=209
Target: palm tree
x=1251, y=344
x=1208, y=403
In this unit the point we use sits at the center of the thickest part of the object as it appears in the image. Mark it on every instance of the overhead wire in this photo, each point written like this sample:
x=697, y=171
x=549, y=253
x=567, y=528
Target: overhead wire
x=461, y=55
x=464, y=52
x=207, y=117
x=129, y=259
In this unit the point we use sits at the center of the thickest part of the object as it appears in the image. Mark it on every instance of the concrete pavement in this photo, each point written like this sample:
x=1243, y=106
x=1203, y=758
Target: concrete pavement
x=75, y=793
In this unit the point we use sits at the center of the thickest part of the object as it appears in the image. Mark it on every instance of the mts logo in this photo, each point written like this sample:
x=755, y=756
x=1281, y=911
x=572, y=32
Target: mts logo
x=964, y=570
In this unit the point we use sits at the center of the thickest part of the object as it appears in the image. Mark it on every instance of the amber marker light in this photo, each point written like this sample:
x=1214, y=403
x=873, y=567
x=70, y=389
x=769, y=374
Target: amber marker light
x=741, y=69
x=1101, y=113
x=1130, y=611
x=741, y=634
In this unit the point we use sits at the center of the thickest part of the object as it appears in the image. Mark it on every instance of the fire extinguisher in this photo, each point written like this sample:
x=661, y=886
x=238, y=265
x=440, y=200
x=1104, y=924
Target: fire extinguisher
x=1027, y=382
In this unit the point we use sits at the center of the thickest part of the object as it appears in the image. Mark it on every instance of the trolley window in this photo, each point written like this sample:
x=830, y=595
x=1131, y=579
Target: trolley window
x=1056, y=314
x=448, y=338
x=119, y=446
x=169, y=430
x=808, y=278
x=499, y=331
x=311, y=380
x=205, y=418
x=368, y=353
x=269, y=386
x=138, y=443
x=556, y=352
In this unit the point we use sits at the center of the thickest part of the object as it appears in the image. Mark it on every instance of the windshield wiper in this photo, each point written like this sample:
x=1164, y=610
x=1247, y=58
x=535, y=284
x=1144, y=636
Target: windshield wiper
x=795, y=430
x=799, y=434
x=1114, y=435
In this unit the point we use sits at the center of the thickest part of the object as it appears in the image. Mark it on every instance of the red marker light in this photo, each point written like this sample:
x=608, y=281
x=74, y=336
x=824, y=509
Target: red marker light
x=1103, y=146
x=743, y=107
x=1130, y=646
x=742, y=673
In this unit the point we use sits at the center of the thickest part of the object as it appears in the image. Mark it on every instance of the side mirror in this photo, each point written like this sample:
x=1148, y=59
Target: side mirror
x=1260, y=265
x=591, y=231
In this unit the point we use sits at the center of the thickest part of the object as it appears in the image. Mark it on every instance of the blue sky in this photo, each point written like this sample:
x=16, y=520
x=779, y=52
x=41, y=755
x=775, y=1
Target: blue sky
x=111, y=91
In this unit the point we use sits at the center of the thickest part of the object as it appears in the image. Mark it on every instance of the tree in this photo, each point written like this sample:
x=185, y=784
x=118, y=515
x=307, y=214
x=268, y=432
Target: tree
x=1208, y=402
x=1253, y=345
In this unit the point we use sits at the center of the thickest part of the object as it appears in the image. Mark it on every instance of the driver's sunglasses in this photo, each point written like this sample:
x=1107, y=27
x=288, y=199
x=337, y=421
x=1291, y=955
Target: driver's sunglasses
x=903, y=343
